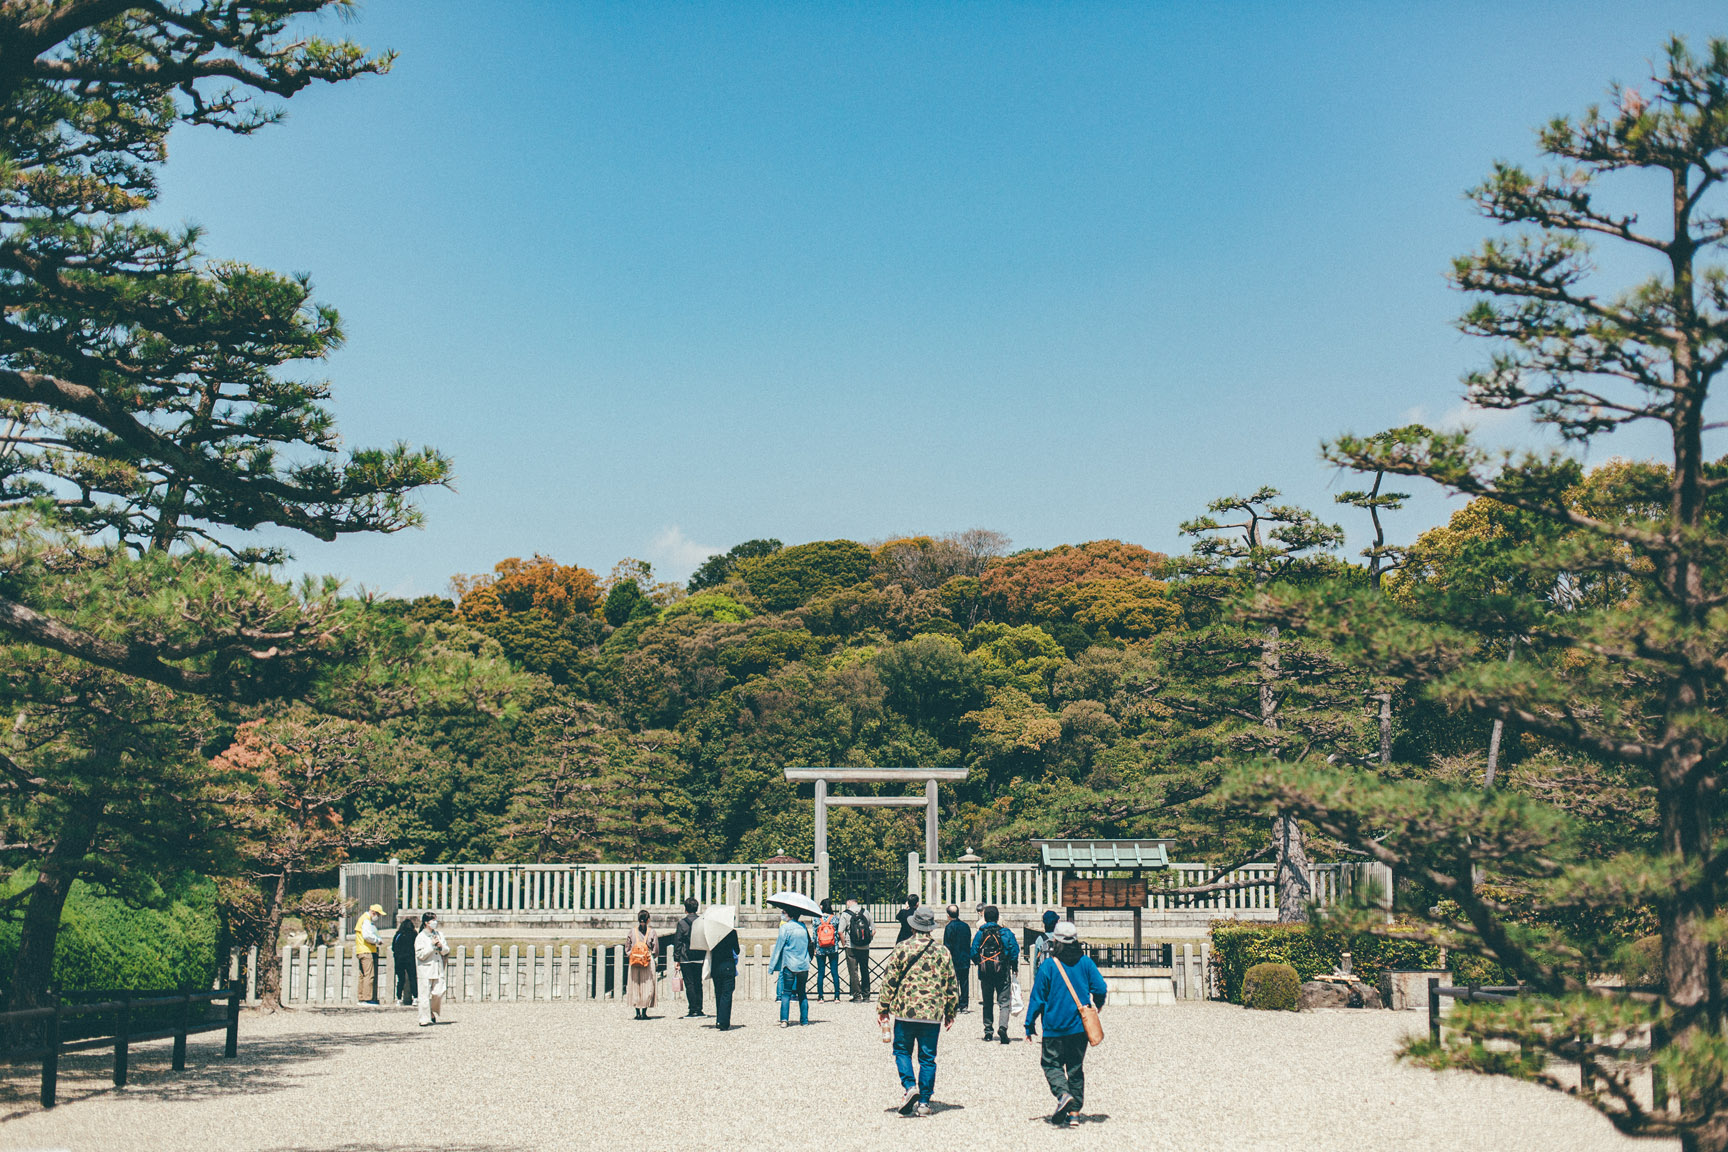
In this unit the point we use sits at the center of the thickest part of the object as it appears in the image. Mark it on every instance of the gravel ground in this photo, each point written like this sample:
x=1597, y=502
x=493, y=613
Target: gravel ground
x=554, y=1076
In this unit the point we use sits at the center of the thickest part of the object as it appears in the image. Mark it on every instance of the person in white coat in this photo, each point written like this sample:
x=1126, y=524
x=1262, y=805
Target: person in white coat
x=430, y=949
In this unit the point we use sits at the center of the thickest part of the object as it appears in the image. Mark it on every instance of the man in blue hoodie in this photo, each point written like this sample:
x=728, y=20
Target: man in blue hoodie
x=996, y=954
x=1057, y=1001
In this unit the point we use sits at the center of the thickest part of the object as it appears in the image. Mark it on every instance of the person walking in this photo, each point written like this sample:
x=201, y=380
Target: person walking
x=366, y=942
x=957, y=938
x=723, y=971
x=689, y=960
x=901, y=916
x=642, y=948
x=430, y=949
x=1063, y=983
x=920, y=995
x=790, y=963
x=997, y=956
x=828, y=950
x=402, y=959
x=1040, y=950
x=857, y=931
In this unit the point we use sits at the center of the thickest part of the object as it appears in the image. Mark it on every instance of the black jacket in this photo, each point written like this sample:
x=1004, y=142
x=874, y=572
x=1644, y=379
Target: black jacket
x=957, y=938
x=402, y=946
x=682, y=953
x=724, y=963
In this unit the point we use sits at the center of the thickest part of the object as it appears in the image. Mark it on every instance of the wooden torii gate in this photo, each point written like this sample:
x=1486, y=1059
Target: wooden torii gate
x=822, y=777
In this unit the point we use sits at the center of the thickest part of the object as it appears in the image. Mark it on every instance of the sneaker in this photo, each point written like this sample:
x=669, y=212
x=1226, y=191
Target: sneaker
x=909, y=1102
x=1065, y=1104
x=921, y=1109
x=785, y=1023
x=989, y=1036
x=1002, y=1035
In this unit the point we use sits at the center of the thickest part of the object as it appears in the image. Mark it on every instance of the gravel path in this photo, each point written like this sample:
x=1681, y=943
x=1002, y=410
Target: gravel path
x=1192, y=1077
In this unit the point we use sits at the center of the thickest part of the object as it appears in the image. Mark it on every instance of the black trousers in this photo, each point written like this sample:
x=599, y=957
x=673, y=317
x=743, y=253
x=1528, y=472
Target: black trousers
x=407, y=983
x=692, y=986
x=963, y=973
x=1064, y=1062
x=723, y=986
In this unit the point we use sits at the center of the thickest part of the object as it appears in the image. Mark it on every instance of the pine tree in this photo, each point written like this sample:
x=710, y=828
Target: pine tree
x=1629, y=672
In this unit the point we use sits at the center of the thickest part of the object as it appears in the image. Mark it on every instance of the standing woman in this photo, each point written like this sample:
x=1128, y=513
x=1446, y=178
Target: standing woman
x=402, y=959
x=723, y=971
x=790, y=965
x=641, y=947
x=430, y=949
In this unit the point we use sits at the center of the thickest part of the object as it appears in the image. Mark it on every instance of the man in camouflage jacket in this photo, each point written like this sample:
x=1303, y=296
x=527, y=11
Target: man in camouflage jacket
x=921, y=994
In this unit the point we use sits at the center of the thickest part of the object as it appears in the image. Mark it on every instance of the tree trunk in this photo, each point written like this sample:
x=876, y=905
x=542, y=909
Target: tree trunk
x=1293, y=886
x=33, y=969
x=270, y=948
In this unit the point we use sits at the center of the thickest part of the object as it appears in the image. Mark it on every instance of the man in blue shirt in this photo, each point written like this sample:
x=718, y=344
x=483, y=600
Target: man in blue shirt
x=1057, y=1001
x=996, y=954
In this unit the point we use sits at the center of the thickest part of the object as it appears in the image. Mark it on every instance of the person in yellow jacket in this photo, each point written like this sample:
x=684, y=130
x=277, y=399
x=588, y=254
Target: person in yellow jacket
x=366, y=942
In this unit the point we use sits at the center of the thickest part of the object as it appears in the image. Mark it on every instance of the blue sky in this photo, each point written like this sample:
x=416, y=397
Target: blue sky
x=664, y=277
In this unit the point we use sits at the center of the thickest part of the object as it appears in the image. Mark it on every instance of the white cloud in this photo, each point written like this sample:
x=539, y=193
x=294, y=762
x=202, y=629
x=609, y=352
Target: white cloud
x=675, y=555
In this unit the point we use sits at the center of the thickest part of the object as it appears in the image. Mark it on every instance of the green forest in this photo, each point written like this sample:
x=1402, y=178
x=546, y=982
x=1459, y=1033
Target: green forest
x=1520, y=711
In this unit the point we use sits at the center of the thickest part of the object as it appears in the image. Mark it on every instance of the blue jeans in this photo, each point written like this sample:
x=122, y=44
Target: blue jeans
x=828, y=964
x=792, y=985
x=925, y=1036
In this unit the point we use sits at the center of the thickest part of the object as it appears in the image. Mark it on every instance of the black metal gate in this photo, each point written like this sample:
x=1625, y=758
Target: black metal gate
x=867, y=886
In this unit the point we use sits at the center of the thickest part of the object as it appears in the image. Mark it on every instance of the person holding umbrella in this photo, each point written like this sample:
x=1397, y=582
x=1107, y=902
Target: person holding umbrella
x=716, y=932
x=793, y=949
x=920, y=993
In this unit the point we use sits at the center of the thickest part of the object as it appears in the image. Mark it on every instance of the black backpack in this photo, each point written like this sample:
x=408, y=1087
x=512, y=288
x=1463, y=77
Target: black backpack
x=859, y=931
x=991, y=954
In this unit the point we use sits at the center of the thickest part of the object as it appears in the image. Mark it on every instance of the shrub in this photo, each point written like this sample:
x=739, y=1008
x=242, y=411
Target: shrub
x=1640, y=962
x=1237, y=947
x=104, y=944
x=1273, y=987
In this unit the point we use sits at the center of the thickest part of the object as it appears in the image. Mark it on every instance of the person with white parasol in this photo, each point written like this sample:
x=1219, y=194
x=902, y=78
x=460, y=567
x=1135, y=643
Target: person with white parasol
x=794, y=949
x=716, y=933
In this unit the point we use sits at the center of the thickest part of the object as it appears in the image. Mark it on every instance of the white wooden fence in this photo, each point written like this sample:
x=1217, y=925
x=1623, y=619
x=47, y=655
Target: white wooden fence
x=328, y=974
x=577, y=888
x=546, y=891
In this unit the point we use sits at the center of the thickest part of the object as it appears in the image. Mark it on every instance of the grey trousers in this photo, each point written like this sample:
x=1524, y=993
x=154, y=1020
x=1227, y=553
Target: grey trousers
x=996, y=998
x=858, y=972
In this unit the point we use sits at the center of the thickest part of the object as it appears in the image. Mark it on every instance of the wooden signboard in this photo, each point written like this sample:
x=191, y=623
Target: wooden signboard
x=1103, y=895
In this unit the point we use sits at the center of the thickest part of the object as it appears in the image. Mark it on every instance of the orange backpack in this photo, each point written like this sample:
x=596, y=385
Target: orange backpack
x=640, y=956
x=825, y=933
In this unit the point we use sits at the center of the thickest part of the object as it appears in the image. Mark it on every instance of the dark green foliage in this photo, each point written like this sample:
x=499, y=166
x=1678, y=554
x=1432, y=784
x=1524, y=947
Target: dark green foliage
x=717, y=569
x=1271, y=987
x=105, y=943
x=624, y=602
x=790, y=576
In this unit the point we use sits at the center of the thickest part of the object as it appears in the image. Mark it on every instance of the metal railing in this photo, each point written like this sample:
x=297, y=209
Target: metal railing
x=48, y=1044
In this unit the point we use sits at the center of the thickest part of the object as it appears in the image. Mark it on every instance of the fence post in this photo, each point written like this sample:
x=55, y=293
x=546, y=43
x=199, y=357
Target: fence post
x=51, y=1057
x=1658, y=1082
x=122, y=1039
x=1434, y=1009
x=180, y=1023
x=231, y=1043
x=252, y=974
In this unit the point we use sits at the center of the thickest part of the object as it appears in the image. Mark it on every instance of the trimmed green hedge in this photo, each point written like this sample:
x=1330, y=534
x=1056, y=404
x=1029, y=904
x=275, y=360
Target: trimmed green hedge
x=103, y=944
x=1272, y=987
x=1237, y=947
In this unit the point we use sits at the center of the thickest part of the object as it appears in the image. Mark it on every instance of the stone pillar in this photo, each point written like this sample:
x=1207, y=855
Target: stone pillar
x=822, y=877
x=930, y=854
x=821, y=822
x=912, y=884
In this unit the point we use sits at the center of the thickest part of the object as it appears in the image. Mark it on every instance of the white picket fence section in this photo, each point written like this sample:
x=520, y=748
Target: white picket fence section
x=577, y=888
x=328, y=975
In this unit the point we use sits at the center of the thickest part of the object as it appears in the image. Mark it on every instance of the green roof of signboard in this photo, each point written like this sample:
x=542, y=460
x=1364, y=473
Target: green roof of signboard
x=1105, y=855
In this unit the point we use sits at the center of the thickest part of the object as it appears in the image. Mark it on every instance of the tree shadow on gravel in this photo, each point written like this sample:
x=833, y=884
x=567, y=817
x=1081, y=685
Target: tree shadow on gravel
x=263, y=1065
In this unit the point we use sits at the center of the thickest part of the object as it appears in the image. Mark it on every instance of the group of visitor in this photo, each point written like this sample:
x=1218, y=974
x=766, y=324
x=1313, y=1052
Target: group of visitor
x=924, y=987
